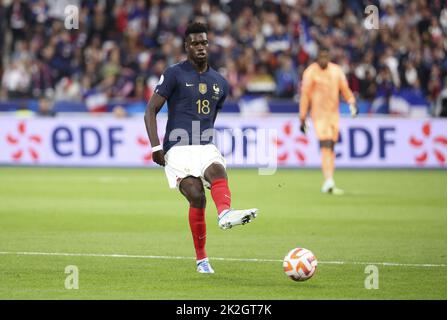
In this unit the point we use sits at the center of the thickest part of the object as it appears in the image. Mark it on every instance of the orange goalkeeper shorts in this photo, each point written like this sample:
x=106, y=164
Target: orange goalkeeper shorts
x=327, y=128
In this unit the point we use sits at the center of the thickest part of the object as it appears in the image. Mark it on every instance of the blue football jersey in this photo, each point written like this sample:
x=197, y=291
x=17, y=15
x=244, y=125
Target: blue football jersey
x=193, y=102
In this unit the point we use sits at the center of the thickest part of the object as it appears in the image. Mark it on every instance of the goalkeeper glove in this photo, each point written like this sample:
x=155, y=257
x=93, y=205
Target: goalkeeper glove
x=303, y=126
x=354, y=110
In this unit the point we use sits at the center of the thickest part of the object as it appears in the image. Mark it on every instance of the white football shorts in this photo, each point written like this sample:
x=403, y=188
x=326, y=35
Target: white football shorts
x=185, y=161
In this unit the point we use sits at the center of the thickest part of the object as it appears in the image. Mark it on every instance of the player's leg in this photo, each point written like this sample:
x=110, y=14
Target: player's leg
x=327, y=133
x=216, y=176
x=322, y=130
x=327, y=167
x=192, y=189
x=334, y=131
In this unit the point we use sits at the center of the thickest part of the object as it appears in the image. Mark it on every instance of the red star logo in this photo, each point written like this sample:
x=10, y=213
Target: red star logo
x=441, y=141
x=291, y=141
x=144, y=142
x=23, y=143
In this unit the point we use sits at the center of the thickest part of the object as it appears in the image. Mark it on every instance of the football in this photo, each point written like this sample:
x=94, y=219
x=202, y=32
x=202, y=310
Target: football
x=300, y=264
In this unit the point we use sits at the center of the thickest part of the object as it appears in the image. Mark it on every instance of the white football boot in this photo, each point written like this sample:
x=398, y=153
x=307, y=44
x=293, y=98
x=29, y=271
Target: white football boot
x=230, y=218
x=330, y=188
x=204, y=266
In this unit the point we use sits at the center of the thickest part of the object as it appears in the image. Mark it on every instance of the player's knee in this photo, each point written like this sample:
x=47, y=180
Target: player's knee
x=327, y=144
x=197, y=198
x=214, y=172
x=192, y=189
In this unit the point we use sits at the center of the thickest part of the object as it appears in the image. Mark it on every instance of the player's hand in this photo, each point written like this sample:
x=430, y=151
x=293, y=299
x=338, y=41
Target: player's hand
x=354, y=110
x=159, y=158
x=303, y=126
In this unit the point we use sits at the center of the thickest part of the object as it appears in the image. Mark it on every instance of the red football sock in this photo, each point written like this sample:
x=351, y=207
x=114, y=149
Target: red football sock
x=198, y=230
x=221, y=195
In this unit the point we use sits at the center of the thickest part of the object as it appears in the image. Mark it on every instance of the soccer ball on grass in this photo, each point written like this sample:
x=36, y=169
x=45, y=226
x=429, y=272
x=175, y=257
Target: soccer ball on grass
x=300, y=264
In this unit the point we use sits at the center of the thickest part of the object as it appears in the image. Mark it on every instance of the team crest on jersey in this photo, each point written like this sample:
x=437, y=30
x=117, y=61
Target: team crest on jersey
x=203, y=88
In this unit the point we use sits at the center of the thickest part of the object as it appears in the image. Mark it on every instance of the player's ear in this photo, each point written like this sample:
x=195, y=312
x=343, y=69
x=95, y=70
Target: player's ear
x=187, y=39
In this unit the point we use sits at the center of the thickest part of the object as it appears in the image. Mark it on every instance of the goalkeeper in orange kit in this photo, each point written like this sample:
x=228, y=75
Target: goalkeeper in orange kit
x=321, y=86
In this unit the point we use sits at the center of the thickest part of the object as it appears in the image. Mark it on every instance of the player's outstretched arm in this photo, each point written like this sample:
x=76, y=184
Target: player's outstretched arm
x=348, y=95
x=305, y=99
x=150, y=119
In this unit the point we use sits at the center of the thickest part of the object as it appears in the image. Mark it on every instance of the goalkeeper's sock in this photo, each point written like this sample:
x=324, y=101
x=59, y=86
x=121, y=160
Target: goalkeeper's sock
x=221, y=195
x=327, y=163
x=198, y=230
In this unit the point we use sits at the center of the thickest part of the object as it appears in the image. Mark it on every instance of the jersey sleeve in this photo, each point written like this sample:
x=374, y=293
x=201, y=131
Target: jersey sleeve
x=306, y=92
x=166, y=84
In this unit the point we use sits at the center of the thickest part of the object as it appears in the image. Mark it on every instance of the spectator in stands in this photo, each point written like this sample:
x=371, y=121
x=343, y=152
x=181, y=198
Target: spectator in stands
x=279, y=41
x=112, y=66
x=45, y=108
x=121, y=41
x=286, y=78
x=435, y=83
x=219, y=21
x=18, y=19
x=2, y=34
x=368, y=86
x=119, y=112
x=68, y=89
x=41, y=79
x=409, y=78
x=16, y=80
x=440, y=108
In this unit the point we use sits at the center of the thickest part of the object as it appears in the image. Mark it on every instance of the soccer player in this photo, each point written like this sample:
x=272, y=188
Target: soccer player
x=194, y=93
x=321, y=86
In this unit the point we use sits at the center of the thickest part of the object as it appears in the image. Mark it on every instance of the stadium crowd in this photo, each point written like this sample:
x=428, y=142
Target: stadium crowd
x=261, y=47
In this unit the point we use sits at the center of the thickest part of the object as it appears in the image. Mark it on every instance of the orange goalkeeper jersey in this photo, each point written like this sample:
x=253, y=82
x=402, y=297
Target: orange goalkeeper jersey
x=321, y=89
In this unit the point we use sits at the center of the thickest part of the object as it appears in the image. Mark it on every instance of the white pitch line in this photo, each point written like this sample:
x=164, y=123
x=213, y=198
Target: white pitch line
x=132, y=256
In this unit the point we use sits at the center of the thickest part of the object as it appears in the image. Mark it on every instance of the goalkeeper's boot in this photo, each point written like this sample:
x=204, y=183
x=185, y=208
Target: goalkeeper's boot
x=330, y=188
x=204, y=266
x=230, y=218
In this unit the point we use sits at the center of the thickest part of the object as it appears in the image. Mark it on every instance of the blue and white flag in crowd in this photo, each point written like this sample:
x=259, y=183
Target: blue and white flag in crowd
x=96, y=101
x=407, y=102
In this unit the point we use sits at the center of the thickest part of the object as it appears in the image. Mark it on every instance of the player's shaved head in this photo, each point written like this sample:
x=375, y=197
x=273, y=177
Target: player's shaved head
x=323, y=57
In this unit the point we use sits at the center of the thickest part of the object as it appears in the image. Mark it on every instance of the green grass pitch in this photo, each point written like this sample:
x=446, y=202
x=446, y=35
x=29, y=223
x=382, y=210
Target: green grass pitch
x=386, y=216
